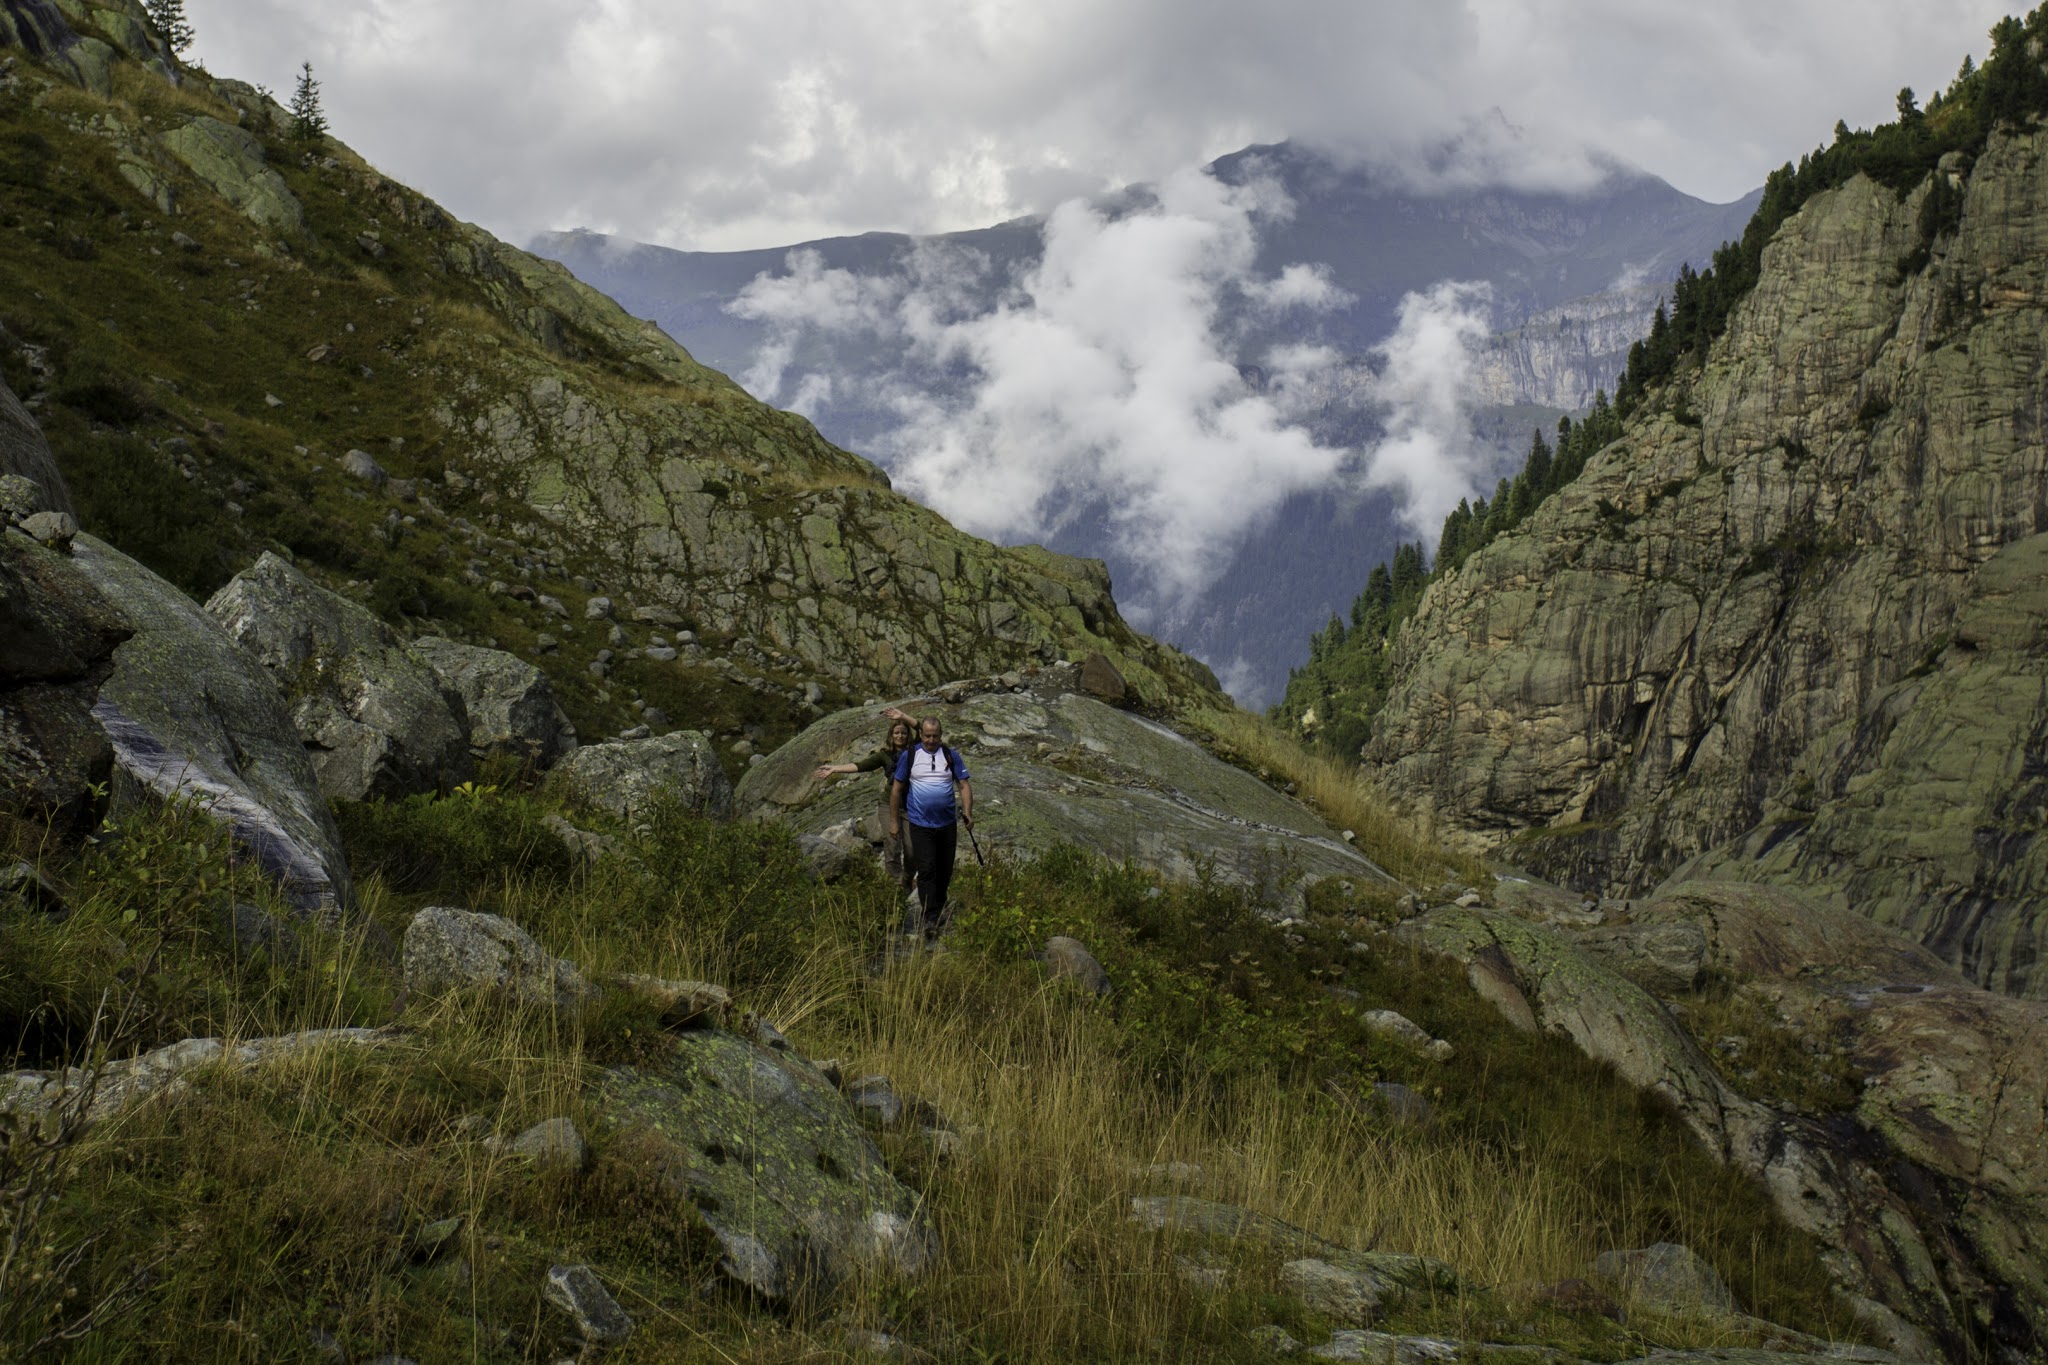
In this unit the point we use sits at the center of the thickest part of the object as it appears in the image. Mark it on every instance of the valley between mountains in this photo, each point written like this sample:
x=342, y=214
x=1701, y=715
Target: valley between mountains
x=424, y=933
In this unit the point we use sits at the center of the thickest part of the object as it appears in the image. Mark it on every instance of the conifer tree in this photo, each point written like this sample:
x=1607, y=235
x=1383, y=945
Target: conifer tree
x=167, y=17
x=309, y=124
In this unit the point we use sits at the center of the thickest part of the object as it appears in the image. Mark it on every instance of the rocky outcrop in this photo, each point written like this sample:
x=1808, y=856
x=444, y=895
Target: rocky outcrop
x=230, y=161
x=1925, y=1181
x=449, y=949
x=1925, y=811
x=190, y=717
x=848, y=582
x=762, y=1146
x=58, y=634
x=509, y=703
x=376, y=719
x=1051, y=766
x=1768, y=610
x=1561, y=357
x=632, y=776
x=85, y=1096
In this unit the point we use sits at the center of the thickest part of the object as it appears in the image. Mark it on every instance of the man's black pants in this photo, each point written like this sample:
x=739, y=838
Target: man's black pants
x=931, y=852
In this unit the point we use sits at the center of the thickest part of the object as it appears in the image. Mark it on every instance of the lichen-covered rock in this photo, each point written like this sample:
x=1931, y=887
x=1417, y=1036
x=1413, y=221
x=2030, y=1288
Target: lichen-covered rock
x=509, y=703
x=1392, y=1024
x=376, y=719
x=773, y=1160
x=231, y=162
x=552, y=1145
x=628, y=777
x=448, y=949
x=1662, y=958
x=1795, y=618
x=1050, y=767
x=1667, y=1276
x=190, y=716
x=1386, y=1348
x=681, y=1004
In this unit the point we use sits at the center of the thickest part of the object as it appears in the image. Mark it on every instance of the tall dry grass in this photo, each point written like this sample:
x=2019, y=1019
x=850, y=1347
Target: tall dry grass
x=1345, y=794
x=293, y=1198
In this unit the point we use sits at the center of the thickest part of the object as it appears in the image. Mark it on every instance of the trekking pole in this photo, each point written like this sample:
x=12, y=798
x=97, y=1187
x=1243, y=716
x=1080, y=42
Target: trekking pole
x=977, y=846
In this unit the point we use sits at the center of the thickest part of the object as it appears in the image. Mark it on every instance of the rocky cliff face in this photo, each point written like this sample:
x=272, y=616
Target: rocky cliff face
x=1562, y=356
x=1788, y=624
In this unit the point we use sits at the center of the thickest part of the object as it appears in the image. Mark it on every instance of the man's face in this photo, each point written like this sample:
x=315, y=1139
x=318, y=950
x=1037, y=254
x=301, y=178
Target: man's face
x=928, y=733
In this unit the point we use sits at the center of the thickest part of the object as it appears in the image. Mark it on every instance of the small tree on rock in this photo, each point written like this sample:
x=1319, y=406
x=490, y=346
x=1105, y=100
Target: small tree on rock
x=168, y=18
x=308, y=123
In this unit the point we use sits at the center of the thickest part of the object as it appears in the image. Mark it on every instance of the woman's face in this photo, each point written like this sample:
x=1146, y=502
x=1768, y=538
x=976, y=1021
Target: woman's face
x=899, y=735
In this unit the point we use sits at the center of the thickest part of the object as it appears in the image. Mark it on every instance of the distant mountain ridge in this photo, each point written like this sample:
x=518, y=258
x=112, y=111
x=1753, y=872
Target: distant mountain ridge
x=1540, y=253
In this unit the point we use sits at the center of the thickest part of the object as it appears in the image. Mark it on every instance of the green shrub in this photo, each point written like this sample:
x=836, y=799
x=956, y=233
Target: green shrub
x=464, y=846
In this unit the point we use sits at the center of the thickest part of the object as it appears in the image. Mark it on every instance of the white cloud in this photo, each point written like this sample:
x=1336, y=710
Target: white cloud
x=728, y=123
x=1101, y=378
x=1428, y=455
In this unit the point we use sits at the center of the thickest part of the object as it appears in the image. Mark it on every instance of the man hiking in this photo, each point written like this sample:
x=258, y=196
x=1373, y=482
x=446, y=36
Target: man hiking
x=924, y=791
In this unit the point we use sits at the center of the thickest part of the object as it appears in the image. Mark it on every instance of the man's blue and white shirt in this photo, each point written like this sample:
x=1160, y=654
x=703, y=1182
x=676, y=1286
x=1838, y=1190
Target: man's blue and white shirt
x=931, y=774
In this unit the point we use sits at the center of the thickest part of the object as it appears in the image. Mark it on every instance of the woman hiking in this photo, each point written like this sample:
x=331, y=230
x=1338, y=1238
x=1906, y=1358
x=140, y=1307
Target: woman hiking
x=902, y=736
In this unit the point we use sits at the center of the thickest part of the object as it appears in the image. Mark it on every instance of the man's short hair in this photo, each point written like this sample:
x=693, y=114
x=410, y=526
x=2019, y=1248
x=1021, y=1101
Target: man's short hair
x=932, y=721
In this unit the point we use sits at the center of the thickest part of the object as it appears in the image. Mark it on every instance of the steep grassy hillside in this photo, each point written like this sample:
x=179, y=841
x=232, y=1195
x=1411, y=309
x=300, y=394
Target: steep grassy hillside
x=208, y=318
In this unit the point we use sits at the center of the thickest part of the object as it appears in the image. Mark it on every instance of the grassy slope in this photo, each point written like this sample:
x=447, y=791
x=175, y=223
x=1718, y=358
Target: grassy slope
x=285, y=1200
x=153, y=369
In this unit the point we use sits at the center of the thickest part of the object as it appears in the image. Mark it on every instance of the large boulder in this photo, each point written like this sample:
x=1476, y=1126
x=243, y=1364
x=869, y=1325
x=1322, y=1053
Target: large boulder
x=1052, y=766
x=189, y=716
x=58, y=633
x=510, y=704
x=449, y=949
x=770, y=1155
x=630, y=776
x=376, y=719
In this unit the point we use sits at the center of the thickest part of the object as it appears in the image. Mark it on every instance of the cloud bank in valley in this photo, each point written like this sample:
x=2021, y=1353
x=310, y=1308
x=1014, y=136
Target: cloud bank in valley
x=1428, y=457
x=1109, y=379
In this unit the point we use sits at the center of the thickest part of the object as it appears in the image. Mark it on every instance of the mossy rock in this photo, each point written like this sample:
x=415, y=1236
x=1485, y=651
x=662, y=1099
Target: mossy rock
x=770, y=1155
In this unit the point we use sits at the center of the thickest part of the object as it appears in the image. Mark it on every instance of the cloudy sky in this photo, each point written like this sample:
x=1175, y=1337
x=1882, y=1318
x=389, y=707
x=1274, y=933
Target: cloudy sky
x=721, y=124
